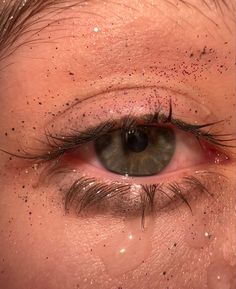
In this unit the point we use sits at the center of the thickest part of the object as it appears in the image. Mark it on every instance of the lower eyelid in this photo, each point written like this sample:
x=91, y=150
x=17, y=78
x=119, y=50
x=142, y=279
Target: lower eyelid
x=65, y=174
x=180, y=190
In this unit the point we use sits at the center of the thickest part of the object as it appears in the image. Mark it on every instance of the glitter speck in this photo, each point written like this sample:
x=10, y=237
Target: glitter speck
x=36, y=166
x=122, y=251
x=95, y=29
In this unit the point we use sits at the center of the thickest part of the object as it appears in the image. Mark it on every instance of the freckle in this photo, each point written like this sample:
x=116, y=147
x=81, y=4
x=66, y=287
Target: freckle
x=13, y=129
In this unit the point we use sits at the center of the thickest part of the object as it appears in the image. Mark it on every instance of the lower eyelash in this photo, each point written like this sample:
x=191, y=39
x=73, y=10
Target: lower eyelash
x=87, y=192
x=88, y=195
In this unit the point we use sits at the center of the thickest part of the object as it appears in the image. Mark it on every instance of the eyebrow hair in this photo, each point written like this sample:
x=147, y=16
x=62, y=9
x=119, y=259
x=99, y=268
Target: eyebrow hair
x=18, y=16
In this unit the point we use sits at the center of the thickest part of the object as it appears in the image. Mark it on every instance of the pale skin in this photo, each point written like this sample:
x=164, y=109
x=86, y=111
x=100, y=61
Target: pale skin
x=95, y=48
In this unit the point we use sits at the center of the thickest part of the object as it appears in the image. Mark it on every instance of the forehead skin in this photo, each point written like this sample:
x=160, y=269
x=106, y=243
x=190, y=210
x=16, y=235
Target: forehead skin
x=131, y=38
x=88, y=50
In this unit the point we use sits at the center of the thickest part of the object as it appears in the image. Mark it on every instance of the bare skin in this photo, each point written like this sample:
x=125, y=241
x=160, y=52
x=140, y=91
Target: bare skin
x=96, y=49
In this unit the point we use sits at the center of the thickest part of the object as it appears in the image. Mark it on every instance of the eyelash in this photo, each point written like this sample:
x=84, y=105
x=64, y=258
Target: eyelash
x=96, y=192
x=58, y=145
x=87, y=192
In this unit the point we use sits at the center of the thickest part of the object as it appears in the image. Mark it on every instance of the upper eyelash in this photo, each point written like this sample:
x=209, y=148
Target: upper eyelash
x=58, y=145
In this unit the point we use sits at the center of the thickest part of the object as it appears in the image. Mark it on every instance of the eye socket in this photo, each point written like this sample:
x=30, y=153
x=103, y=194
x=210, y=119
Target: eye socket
x=135, y=146
x=139, y=151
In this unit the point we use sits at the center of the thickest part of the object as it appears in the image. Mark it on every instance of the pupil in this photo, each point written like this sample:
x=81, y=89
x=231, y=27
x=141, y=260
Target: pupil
x=136, y=140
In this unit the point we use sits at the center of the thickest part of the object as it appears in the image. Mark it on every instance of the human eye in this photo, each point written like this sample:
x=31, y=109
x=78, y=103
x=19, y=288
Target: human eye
x=118, y=120
x=131, y=163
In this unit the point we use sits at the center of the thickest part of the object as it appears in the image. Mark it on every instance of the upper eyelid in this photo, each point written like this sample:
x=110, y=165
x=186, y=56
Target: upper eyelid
x=62, y=144
x=57, y=145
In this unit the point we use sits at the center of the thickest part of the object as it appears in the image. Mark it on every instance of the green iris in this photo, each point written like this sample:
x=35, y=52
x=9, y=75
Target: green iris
x=141, y=151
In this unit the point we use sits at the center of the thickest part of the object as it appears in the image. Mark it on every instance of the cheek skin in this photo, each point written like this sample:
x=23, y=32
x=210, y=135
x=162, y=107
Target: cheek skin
x=68, y=252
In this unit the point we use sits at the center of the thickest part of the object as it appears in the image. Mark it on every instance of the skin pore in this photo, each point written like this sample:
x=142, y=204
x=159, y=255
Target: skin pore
x=82, y=62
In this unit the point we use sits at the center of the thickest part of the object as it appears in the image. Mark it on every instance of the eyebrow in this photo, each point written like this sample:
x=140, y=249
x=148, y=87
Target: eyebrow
x=18, y=16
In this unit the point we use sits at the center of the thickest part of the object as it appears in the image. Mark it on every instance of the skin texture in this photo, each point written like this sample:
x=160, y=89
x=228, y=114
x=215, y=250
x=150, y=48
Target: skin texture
x=96, y=48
